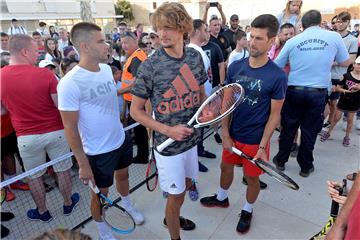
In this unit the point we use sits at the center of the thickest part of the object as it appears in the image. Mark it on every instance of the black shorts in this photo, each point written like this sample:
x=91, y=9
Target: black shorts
x=104, y=165
x=9, y=145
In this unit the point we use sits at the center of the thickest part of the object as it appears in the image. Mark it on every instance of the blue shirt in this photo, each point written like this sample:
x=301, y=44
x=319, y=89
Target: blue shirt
x=260, y=85
x=311, y=55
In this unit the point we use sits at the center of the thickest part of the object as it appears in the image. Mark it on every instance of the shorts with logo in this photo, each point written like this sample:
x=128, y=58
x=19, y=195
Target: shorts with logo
x=174, y=169
x=103, y=165
x=249, y=168
x=33, y=149
x=334, y=95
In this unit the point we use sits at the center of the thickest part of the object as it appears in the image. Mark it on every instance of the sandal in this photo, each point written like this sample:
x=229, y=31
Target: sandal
x=325, y=136
x=351, y=176
x=346, y=142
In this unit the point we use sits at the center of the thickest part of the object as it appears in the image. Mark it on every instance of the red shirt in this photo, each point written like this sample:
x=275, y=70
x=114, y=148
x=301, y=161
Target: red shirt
x=26, y=93
x=353, y=224
x=6, y=127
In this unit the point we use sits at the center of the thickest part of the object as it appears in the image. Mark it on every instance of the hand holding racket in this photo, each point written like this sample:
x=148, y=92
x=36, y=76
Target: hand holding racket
x=216, y=107
x=113, y=215
x=269, y=169
x=333, y=214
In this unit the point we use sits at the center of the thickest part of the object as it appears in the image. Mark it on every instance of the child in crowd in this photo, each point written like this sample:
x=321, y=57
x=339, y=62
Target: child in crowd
x=291, y=14
x=349, y=101
x=240, y=51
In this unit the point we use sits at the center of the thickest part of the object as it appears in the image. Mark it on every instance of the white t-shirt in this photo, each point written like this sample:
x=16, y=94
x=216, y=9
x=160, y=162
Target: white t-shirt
x=49, y=57
x=93, y=94
x=207, y=65
x=234, y=56
x=62, y=44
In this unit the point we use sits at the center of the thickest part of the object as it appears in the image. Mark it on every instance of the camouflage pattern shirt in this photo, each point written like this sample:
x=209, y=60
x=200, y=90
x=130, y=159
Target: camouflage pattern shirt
x=173, y=87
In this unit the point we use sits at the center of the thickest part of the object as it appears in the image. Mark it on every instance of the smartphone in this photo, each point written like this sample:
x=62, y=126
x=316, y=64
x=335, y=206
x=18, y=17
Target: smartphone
x=213, y=4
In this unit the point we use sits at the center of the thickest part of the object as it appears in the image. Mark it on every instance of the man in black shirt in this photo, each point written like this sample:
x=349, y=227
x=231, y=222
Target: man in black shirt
x=229, y=33
x=217, y=37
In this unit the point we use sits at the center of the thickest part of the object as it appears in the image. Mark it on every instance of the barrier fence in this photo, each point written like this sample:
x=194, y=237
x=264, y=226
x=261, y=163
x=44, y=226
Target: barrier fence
x=23, y=228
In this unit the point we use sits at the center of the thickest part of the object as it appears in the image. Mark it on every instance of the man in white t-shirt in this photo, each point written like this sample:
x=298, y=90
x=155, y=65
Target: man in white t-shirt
x=15, y=28
x=90, y=112
x=63, y=40
x=240, y=51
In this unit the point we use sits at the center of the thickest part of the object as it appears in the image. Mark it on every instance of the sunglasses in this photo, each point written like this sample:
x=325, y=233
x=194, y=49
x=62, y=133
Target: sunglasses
x=128, y=34
x=147, y=43
x=152, y=36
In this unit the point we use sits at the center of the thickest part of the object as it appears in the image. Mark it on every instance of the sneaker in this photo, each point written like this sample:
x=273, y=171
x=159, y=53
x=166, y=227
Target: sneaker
x=325, y=136
x=20, y=185
x=185, y=224
x=206, y=154
x=217, y=138
x=7, y=216
x=357, y=124
x=193, y=192
x=165, y=194
x=10, y=196
x=134, y=213
x=306, y=173
x=346, y=142
x=75, y=198
x=245, y=221
x=212, y=201
x=262, y=184
x=33, y=214
x=279, y=166
x=4, y=231
x=202, y=167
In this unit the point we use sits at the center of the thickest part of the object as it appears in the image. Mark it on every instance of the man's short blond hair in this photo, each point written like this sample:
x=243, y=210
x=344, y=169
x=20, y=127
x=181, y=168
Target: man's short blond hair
x=172, y=15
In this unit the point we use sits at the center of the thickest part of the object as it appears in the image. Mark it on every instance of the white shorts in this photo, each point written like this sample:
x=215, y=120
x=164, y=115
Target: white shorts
x=33, y=149
x=174, y=169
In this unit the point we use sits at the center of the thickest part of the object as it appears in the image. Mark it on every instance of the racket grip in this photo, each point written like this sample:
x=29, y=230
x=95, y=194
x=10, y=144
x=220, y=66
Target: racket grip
x=165, y=144
x=334, y=205
x=94, y=187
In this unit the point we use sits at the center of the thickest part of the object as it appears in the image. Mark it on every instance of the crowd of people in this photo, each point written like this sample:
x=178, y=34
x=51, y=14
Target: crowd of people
x=76, y=90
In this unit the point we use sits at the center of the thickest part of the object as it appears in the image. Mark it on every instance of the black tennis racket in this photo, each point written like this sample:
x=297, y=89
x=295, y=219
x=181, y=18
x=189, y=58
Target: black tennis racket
x=151, y=170
x=216, y=107
x=333, y=214
x=269, y=169
x=113, y=215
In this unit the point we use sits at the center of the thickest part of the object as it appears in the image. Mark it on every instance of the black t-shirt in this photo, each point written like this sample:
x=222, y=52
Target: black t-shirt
x=222, y=42
x=349, y=101
x=215, y=55
x=229, y=34
x=115, y=63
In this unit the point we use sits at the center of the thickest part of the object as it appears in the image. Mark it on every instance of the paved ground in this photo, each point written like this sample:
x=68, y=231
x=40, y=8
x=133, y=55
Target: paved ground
x=279, y=213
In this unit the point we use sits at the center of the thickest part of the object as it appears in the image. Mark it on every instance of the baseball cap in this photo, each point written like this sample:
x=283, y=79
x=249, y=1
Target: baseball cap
x=213, y=17
x=45, y=63
x=357, y=60
x=234, y=17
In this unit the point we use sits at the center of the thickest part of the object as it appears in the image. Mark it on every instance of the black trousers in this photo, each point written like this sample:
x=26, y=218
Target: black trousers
x=141, y=139
x=304, y=109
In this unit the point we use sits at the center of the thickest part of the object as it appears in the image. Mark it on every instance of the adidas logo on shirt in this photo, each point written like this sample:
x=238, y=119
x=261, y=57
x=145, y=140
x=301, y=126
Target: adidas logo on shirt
x=185, y=96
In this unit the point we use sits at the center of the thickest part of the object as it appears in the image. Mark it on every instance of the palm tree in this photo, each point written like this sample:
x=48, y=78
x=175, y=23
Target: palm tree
x=85, y=11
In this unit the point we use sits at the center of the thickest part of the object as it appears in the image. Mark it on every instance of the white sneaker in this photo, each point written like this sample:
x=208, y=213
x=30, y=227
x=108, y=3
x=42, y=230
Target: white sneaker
x=135, y=214
x=107, y=236
x=357, y=124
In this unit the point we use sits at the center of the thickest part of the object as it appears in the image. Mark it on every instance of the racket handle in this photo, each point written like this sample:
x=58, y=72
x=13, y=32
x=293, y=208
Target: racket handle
x=94, y=187
x=334, y=205
x=165, y=144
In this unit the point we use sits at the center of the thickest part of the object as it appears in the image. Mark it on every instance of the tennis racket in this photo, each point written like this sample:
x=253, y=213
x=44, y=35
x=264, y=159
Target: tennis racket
x=269, y=169
x=333, y=214
x=217, y=106
x=113, y=215
x=151, y=170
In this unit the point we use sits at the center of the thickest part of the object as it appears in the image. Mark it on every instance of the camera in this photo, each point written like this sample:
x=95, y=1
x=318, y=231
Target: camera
x=213, y=4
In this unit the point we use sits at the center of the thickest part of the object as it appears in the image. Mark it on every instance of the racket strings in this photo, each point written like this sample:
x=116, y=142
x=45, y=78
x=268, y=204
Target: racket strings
x=220, y=103
x=151, y=175
x=117, y=218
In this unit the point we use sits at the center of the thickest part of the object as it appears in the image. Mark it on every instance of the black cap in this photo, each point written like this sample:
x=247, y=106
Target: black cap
x=13, y=20
x=234, y=17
